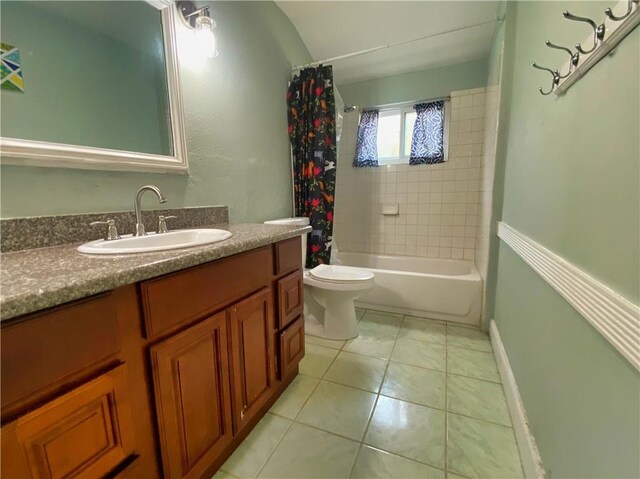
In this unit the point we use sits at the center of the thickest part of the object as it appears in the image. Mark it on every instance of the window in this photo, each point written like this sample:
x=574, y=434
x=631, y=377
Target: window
x=392, y=129
x=395, y=128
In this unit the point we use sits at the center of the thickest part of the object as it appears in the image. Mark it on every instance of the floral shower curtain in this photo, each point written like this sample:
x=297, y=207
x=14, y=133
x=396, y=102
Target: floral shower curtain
x=312, y=131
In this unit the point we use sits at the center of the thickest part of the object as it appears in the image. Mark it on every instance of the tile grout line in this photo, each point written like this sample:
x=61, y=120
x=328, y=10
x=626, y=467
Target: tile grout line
x=355, y=458
x=361, y=443
x=378, y=394
x=274, y=448
x=293, y=421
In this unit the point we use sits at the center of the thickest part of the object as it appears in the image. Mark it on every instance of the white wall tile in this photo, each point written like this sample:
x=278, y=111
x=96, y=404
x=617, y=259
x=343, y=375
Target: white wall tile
x=440, y=206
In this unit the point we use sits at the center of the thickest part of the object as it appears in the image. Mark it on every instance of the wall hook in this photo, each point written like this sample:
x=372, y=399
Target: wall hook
x=609, y=13
x=574, y=57
x=598, y=31
x=555, y=78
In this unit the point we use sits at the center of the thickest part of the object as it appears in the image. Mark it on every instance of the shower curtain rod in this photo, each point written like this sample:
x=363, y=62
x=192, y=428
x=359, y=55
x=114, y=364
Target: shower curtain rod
x=389, y=45
x=406, y=103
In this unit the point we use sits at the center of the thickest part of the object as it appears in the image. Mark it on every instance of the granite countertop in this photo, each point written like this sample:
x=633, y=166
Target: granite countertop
x=36, y=279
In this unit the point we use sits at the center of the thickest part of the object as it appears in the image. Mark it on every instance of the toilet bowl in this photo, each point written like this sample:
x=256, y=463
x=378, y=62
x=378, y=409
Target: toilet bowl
x=328, y=300
x=329, y=292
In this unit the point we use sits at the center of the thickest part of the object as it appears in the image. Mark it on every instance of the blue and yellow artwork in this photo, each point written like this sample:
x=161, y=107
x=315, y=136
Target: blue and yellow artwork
x=11, y=68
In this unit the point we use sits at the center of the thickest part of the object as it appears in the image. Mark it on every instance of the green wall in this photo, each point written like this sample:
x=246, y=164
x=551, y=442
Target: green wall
x=236, y=124
x=571, y=175
x=420, y=85
x=79, y=80
x=499, y=73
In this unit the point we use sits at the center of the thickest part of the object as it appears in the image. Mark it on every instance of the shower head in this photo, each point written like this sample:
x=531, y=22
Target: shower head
x=350, y=108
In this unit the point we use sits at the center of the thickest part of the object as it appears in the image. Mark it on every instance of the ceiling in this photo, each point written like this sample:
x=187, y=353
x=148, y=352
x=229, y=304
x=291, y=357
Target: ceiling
x=334, y=28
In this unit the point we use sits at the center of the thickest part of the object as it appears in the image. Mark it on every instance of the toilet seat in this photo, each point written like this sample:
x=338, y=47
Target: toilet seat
x=340, y=274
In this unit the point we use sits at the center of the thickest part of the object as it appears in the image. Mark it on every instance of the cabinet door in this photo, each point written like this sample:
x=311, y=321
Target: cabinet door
x=252, y=355
x=292, y=347
x=84, y=433
x=193, y=399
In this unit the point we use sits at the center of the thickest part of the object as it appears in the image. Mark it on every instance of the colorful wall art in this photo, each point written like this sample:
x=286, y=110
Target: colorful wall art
x=11, y=78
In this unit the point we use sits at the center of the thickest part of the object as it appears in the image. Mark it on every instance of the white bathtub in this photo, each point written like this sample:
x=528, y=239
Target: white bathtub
x=444, y=289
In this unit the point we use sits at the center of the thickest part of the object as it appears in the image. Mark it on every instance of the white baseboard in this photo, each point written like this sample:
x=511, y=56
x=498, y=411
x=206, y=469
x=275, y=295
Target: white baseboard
x=531, y=461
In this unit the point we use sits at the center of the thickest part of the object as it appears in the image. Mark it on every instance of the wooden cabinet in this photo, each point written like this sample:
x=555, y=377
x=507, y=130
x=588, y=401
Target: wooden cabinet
x=161, y=378
x=252, y=355
x=193, y=399
x=186, y=296
x=288, y=255
x=58, y=343
x=85, y=433
x=291, y=347
x=290, y=299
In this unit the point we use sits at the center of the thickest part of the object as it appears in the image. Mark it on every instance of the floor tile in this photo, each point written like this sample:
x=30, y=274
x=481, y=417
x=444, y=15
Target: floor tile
x=419, y=353
x=373, y=464
x=338, y=409
x=475, y=364
x=479, y=399
x=417, y=432
x=413, y=384
x=423, y=330
x=294, y=397
x=317, y=360
x=360, y=312
x=327, y=343
x=469, y=338
x=357, y=371
x=254, y=451
x=380, y=324
x=371, y=345
x=223, y=475
x=478, y=449
x=305, y=452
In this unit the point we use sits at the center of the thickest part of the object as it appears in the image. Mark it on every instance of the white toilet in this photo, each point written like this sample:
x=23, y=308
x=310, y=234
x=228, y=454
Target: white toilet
x=329, y=292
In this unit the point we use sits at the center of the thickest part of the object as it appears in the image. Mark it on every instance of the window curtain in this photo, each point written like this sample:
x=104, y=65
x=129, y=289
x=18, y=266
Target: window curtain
x=367, y=146
x=428, y=134
x=312, y=131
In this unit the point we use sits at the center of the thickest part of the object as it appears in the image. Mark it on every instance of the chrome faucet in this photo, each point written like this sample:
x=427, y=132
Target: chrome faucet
x=140, y=231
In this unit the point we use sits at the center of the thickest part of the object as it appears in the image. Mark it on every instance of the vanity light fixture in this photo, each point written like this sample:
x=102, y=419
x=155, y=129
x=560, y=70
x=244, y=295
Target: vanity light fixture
x=199, y=20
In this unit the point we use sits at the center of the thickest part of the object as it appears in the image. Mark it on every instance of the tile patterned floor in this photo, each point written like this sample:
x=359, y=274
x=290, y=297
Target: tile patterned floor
x=409, y=398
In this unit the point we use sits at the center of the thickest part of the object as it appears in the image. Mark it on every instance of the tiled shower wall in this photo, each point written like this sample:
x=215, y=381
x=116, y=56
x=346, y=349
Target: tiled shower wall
x=438, y=204
x=487, y=171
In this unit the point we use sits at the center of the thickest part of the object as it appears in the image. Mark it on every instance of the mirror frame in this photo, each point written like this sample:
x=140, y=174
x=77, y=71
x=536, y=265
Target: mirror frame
x=14, y=151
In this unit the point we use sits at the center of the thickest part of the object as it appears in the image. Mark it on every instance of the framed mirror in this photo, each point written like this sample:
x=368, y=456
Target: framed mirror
x=91, y=85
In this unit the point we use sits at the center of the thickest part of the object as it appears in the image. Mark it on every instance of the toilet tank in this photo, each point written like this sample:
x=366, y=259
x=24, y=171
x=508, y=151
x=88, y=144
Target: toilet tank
x=298, y=221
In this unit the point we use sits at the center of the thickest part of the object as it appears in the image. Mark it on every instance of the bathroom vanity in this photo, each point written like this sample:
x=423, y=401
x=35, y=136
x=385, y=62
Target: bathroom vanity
x=162, y=375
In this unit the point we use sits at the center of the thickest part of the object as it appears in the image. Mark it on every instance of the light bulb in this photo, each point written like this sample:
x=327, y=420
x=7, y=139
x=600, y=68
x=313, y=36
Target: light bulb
x=205, y=38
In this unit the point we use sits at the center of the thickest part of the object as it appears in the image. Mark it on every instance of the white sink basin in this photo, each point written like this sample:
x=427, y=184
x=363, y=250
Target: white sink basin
x=155, y=242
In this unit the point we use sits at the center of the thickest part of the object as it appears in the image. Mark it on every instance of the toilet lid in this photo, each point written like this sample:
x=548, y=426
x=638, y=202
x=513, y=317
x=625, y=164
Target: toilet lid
x=340, y=274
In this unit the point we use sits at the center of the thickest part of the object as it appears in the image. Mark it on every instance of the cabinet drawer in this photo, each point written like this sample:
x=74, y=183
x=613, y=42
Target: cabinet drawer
x=292, y=346
x=85, y=433
x=44, y=348
x=288, y=255
x=182, y=297
x=290, y=298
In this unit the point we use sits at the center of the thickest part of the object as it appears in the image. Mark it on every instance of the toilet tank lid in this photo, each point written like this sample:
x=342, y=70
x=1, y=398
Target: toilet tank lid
x=299, y=221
